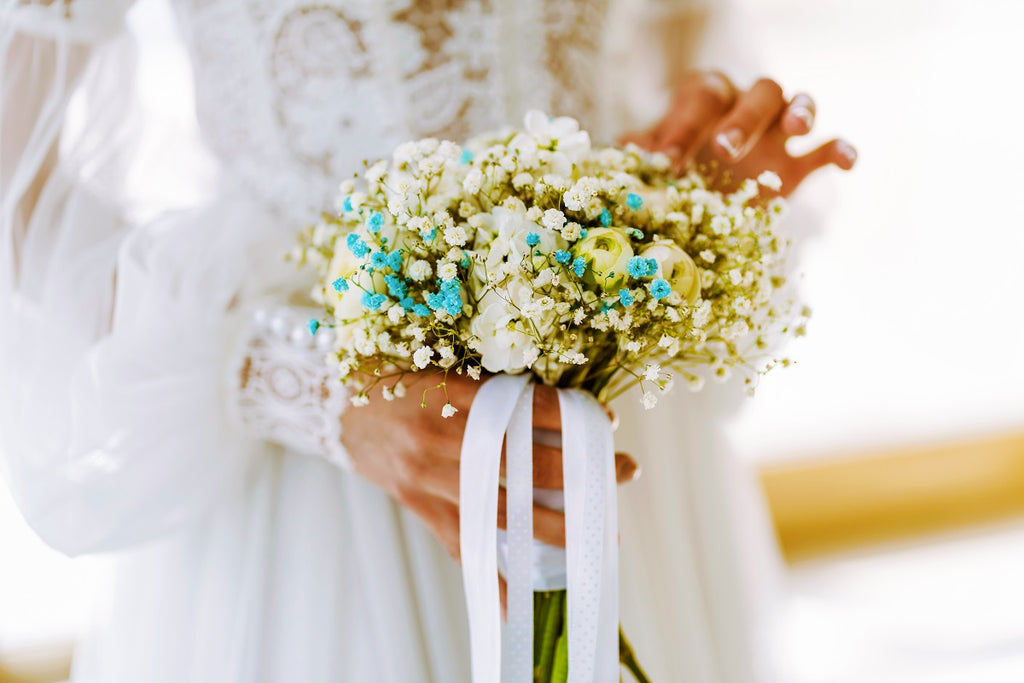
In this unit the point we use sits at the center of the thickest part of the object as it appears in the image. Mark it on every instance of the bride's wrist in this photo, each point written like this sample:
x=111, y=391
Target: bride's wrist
x=284, y=391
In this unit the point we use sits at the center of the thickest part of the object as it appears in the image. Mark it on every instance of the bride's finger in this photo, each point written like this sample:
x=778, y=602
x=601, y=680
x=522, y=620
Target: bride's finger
x=838, y=152
x=547, y=413
x=548, y=474
x=698, y=106
x=548, y=524
x=755, y=111
x=798, y=119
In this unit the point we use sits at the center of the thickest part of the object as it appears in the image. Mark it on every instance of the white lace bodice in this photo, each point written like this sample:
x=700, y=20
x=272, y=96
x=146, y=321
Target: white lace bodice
x=293, y=95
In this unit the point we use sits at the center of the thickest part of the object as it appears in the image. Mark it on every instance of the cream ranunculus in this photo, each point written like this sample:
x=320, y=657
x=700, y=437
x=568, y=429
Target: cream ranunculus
x=607, y=252
x=675, y=266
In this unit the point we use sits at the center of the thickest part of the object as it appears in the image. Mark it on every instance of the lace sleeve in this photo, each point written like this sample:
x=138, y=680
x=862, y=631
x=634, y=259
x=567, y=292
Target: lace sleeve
x=84, y=21
x=286, y=392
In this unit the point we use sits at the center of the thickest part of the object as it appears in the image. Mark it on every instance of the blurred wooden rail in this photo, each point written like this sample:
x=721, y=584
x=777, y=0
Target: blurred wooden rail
x=819, y=506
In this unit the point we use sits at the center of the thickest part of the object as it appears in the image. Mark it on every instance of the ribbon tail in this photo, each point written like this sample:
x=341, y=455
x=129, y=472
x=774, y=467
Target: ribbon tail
x=591, y=533
x=518, y=659
x=479, y=472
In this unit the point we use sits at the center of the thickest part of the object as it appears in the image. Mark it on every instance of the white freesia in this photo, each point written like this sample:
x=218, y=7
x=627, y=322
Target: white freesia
x=503, y=346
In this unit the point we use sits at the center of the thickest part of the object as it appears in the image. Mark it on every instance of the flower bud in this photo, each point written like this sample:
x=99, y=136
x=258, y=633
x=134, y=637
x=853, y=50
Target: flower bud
x=607, y=252
x=677, y=267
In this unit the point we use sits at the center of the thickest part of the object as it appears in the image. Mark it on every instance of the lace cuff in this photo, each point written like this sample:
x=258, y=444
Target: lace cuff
x=286, y=392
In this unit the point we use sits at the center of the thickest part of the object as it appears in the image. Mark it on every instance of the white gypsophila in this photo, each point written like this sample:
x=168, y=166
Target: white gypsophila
x=448, y=271
x=649, y=400
x=652, y=372
x=421, y=357
x=456, y=236
x=473, y=182
x=571, y=231
x=553, y=219
x=420, y=270
x=522, y=180
x=448, y=410
x=770, y=180
x=582, y=192
x=473, y=371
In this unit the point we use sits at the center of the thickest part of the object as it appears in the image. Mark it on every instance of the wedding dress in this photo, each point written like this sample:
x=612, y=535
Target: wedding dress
x=245, y=550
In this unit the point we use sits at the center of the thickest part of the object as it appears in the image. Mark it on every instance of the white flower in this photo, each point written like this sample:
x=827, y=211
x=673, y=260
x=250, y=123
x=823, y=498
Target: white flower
x=473, y=371
x=447, y=356
x=503, y=348
x=560, y=134
x=553, y=219
x=770, y=180
x=422, y=356
x=448, y=410
x=359, y=399
x=456, y=236
x=708, y=255
x=376, y=172
x=473, y=181
x=399, y=389
x=420, y=270
x=650, y=400
x=388, y=394
x=505, y=240
x=571, y=231
x=653, y=372
x=581, y=193
x=521, y=180
x=395, y=314
x=720, y=225
x=448, y=271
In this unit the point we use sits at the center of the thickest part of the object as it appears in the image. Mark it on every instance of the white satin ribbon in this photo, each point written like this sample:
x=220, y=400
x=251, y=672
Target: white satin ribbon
x=590, y=568
x=479, y=470
x=591, y=538
x=517, y=663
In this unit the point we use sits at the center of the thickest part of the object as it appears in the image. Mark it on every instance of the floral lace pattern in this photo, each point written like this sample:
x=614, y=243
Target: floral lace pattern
x=286, y=392
x=292, y=96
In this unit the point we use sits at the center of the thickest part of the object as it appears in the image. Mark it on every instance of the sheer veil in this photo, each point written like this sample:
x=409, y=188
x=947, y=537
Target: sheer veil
x=102, y=321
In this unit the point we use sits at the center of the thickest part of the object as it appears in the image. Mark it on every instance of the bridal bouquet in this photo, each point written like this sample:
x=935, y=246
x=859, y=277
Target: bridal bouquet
x=532, y=253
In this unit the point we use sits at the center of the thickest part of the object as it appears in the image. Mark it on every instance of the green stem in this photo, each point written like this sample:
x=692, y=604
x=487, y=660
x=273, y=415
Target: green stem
x=628, y=659
x=552, y=607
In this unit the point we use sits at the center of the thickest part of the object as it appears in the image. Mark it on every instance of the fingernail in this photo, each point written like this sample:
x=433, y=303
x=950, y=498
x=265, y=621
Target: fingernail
x=805, y=115
x=731, y=141
x=629, y=470
x=847, y=151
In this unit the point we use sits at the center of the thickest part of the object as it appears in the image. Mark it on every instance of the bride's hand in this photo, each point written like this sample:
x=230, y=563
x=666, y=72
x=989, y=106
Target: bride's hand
x=413, y=454
x=742, y=132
